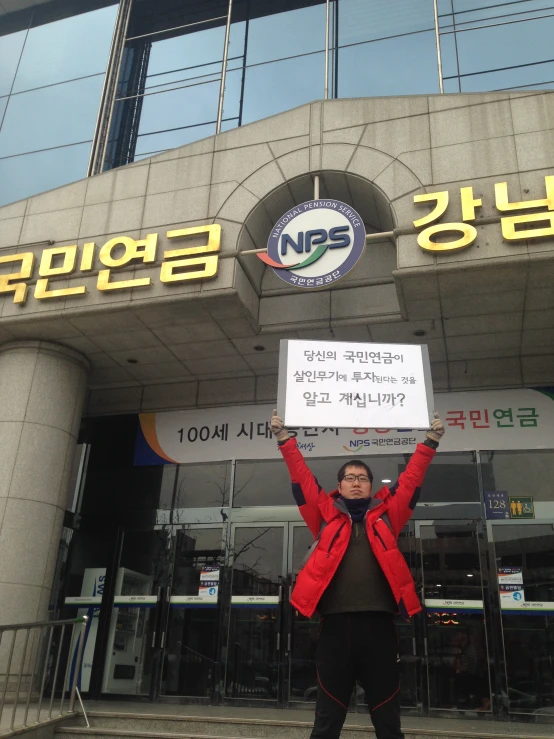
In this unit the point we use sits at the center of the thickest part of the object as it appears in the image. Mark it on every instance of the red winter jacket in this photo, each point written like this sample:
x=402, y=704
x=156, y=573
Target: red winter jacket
x=330, y=523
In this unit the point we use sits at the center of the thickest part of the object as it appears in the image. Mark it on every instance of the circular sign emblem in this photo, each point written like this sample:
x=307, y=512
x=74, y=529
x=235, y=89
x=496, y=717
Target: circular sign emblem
x=316, y=243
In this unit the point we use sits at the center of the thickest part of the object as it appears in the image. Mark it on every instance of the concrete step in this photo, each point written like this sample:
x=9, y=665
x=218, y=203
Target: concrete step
x=107, y=725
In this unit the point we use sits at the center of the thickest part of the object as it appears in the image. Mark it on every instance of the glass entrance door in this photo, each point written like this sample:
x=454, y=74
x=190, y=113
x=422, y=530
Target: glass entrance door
x=254, y=646
x=164, y=623
x=301, y=632
x=450, y=578
x=524, y=558
x=190, y=624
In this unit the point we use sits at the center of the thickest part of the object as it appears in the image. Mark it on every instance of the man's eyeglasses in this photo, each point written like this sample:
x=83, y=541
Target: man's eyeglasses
x=360, y=478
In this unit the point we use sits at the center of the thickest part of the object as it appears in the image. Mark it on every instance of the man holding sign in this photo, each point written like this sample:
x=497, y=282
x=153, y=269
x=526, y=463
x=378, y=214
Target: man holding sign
x=356, y=578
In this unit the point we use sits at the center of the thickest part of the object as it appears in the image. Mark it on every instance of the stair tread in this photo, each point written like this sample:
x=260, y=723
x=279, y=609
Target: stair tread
x=79, y=730
x=99, y=731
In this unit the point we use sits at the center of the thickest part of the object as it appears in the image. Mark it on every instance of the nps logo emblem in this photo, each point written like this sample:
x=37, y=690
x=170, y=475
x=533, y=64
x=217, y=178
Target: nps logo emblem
x=315, y=243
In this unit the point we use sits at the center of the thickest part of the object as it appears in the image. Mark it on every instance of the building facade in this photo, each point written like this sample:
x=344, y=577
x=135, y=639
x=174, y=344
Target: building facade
x=147, y=151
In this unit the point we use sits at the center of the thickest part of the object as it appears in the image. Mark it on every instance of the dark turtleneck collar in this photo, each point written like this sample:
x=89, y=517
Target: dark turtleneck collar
x=356, y=507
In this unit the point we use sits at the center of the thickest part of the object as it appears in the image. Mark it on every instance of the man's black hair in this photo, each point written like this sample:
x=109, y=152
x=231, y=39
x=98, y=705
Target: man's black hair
x=354, y=463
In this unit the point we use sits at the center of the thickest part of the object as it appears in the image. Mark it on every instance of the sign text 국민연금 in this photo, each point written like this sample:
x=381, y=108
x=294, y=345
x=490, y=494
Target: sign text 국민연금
x=199, y=262
x=349, y=384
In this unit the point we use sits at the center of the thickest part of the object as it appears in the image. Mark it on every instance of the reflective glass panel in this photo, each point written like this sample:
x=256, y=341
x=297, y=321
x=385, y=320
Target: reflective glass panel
x=526, y=555
x=520, y=473
x=51, y=116
x=406, y=65
x=203, y=485
x=457, y=663
x=252, y=655
x=273, y=88
x=177, y=108
x=451, y=477
x=462, y=5
x=69, y=48
x=360, y=20
x=288, y=34
x=304, y=631
x=29, y=174
x=186, y=51
x=449, y=55
x=534, y=75
x=154, y=143
x=190, y=654
x=10, y=53
x=505, y=45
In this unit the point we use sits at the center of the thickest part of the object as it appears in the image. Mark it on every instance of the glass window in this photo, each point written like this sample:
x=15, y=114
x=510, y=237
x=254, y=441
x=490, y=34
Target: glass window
x=273, y=88
x=363, y=21
x=154, y=143
x=203, y=486
x=69, y=48
x=281, y=35
x=449, y=55
x=508, y=45
x=11, y=46
x=463, y=5
x=451, y=477
x=51, y=116
x=520, y=473
x=30, y=174
x=534, y=75
x=516, y=11
x=406, y=65
x=174, y=109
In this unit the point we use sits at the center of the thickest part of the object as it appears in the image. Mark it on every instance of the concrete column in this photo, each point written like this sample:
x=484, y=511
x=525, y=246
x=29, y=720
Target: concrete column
x=42, y=391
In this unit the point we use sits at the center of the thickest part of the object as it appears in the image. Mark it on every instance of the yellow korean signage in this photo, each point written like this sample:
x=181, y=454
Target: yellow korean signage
x=181, y=264
x=523, y=226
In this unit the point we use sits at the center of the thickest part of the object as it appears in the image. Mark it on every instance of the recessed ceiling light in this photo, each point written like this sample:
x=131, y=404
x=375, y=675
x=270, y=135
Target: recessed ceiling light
x=385, y=481
x=132, y=361
x=420, y=332
x=259, y=348
x=469, y=575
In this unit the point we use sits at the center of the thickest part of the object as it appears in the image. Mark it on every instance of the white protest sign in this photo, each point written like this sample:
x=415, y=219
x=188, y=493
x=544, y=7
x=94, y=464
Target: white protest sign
x=349, y=384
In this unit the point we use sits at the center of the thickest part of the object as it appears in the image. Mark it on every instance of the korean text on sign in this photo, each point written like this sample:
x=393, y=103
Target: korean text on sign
x=181, y=264
x=534, y=219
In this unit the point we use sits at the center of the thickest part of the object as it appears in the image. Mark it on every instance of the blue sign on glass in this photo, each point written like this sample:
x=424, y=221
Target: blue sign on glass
x=497, y=504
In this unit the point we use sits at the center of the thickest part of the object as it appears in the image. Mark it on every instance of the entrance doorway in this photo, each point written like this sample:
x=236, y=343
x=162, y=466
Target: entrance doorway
x=455, y=639
x=523, y=555
x=202, y=612
x=164, y=626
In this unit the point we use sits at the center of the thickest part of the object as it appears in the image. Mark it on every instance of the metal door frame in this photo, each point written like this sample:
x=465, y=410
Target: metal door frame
x=227, y=610
x=160, y=640
x=501, y=664
x=480, y=531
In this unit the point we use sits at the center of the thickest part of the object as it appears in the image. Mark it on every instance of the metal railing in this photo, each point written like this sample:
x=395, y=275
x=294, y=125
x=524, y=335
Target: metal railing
x=38, y=654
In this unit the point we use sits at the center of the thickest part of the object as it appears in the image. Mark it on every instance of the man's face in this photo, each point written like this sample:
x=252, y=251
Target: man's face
x=355, y=488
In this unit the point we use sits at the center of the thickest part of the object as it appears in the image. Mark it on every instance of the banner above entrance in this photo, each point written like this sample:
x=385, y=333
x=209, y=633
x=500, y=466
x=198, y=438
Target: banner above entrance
x=493, y=420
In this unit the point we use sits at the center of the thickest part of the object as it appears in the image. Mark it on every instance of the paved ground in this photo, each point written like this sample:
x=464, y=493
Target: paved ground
x=473, y=722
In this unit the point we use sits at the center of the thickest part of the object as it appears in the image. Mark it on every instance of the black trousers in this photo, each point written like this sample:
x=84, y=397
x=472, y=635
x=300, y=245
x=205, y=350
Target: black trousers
x=359, y=647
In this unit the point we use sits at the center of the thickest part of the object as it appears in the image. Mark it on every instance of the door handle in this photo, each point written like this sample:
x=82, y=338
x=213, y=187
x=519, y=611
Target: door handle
x=278, y=641
x=414, y=646
x=163, y=640
x=153, y=639
x=288, y=642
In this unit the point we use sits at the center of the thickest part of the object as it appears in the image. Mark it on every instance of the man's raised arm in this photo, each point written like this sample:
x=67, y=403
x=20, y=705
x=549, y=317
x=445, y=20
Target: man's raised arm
x=305, y=487
x=405, y=493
